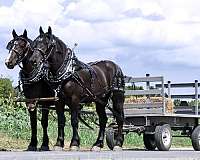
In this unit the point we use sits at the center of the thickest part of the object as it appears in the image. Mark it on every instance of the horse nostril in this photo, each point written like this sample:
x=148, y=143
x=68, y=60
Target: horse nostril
x=7, y=63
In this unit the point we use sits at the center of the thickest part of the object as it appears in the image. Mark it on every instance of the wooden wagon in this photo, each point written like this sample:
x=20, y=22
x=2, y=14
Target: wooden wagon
x=151, y=112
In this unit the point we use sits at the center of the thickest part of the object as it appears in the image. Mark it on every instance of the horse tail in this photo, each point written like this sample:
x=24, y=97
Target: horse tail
x=118, y=80
x=117, y=97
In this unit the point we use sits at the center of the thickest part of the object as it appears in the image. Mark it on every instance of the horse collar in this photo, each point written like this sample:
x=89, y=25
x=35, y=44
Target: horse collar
x=35, y=76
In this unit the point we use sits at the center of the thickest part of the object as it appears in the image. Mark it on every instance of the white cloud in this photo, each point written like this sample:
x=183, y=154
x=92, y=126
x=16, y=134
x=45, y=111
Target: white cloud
x=30, y=12
x=90, y=10
x=166, y=31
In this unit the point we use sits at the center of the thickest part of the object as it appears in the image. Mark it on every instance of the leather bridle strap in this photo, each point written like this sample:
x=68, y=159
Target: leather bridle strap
x=43, y=53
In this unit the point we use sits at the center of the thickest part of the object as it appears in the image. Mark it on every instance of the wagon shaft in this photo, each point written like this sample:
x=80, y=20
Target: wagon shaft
x=36, y=99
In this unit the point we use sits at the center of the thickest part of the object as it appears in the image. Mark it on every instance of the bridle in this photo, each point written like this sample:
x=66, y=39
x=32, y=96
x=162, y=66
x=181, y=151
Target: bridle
x=44, y=54
x=20, y=56
x=65, y=69
x=36, y=74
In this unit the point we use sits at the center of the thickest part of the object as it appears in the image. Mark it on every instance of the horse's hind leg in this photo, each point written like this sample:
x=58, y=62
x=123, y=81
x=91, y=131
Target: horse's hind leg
x=118, y=101
x=102, y=122
x=44, y=122
x=33, y=119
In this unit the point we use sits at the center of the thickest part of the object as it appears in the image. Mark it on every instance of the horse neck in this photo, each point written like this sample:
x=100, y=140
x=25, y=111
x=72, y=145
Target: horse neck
x=56, y=62
x=27, y=67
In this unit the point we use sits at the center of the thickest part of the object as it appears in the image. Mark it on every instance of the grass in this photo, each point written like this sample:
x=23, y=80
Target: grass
x=11, y=143
x=15, y=130
x=88, y=137
x=132, y=141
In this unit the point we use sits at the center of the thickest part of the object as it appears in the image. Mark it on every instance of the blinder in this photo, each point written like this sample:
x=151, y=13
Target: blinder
x=50, y=47
x=10, y=45
x=20, y=56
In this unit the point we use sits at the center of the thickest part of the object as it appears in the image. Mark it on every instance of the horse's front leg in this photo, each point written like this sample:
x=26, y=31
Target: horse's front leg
x=60, y=106
x=102, y=122
x=75, y=141
x=33, y=120
x=44, y=122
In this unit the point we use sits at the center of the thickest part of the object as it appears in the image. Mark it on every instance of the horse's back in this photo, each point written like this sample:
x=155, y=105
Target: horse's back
x=110, y=72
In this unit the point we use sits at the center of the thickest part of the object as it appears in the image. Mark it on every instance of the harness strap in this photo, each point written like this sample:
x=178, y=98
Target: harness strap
x=96, y=99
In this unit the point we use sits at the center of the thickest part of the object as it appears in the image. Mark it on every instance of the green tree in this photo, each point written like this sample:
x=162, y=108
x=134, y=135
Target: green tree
x=177, y=102
x=6, y=88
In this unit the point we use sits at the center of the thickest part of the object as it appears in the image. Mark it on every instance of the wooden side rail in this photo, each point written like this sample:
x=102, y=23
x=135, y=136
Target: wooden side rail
x=143, y=92
x=194, y=85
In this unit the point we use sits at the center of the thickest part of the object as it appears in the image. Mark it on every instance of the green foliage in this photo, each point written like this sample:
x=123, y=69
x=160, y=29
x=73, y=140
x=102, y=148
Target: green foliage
x=193, y=103
x=13, y=118
x=6, y=89
x=177, y=102
x=15, y=123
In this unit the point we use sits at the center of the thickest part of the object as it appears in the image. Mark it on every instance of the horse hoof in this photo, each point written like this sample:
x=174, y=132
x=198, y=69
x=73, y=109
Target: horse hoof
x=117, y=148
x=74, y=148
x=57, y=148
x=31, y=148
x=44, y=148
x=95, y=149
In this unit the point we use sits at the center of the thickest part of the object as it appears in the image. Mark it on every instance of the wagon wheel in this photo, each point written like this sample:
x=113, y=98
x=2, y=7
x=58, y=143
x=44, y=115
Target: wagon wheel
x=149, y=141
x=163, y=137
x=195, y=137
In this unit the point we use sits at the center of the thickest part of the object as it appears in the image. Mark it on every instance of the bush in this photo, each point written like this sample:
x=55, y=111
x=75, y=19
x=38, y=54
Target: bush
x=6, y=89
x=14, y=118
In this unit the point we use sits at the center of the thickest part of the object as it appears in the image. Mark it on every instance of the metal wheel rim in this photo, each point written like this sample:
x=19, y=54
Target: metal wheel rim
x=166, y=137
x=198, y=138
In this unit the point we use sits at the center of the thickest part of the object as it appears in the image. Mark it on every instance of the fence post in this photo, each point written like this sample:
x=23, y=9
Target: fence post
x=147, y=83
x=196, y=98
x=169, y=89
x=148, y=88
x=163, y=96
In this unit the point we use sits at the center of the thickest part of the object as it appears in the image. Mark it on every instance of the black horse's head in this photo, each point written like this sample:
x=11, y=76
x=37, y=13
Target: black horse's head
x=18, y=49
x=48, y=49
x=43, y=46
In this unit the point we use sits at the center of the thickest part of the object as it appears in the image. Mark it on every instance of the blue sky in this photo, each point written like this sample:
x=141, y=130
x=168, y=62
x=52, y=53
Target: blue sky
x=160, y=37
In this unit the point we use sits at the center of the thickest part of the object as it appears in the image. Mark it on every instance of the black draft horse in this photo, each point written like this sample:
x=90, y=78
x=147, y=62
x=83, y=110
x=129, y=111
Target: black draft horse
x=20, y=50
x=82, y=83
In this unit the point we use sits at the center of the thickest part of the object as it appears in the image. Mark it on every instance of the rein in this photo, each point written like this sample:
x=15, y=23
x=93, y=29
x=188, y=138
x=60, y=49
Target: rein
x=21, y=59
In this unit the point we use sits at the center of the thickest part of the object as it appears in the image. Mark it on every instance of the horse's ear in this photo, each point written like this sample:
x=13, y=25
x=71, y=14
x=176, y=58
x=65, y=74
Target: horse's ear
x=25, y=34
x=14, y=34
x=49, y=31
x=41, y=31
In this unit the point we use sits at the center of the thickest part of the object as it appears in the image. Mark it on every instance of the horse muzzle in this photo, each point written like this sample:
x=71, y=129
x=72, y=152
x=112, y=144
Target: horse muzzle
x=9, y=65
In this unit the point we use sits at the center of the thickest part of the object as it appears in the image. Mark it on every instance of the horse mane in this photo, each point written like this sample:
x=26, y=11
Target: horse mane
x=61, y=47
